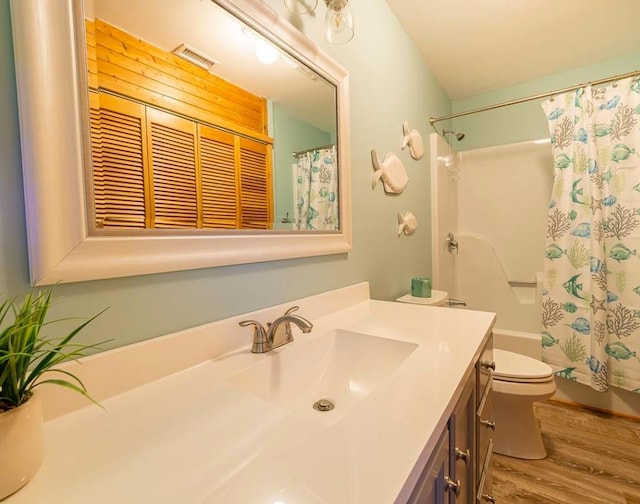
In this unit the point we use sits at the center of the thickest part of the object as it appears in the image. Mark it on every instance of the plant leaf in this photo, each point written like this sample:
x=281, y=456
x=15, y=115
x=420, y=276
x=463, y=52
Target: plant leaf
x=26, y=355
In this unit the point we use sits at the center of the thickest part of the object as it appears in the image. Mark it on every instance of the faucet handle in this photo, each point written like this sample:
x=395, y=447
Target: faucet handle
x=288, y=333
x=260, y=341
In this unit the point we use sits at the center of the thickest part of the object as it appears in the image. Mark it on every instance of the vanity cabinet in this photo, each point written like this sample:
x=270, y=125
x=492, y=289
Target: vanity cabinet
x=459, y=469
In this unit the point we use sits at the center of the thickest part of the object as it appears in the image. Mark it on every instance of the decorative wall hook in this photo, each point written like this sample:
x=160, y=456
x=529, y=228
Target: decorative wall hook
x=414, y=140
x=407, y=223
x=391, y=171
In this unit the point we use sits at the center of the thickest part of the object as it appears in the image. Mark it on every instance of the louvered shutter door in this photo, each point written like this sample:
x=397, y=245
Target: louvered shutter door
x=173, y=161
x=96, y=160
x=256, y=200
x=219, y=179
x=117, y=135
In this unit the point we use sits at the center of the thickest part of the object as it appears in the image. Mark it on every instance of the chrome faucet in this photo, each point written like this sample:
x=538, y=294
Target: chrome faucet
x=452, y=243
x=278, y=332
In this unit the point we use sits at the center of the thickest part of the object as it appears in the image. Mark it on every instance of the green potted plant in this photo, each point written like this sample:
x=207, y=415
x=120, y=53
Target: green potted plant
x=28, y=359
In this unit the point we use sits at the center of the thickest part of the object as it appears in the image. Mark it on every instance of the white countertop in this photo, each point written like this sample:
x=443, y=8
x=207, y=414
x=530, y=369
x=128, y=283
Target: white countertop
x=192, y=438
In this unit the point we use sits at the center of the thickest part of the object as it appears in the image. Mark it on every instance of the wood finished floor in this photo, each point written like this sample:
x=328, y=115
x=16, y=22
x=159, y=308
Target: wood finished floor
x=592, y=458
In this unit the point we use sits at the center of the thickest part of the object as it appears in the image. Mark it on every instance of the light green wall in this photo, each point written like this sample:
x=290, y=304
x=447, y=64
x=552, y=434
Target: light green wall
x=525, y=121
x=292, y=135
x=389, y=83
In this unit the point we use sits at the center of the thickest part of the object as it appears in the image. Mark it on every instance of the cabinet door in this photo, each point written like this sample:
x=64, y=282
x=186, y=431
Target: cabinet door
x=431, y=487
x=256, y=191
x=463, y=450
x=120, y=164
x=219, y=179
x=173, y=159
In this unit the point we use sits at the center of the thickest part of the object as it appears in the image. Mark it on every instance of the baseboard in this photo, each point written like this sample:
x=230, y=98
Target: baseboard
x=597, y=410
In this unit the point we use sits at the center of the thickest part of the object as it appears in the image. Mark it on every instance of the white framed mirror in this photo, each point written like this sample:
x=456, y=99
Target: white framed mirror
x=65, y=245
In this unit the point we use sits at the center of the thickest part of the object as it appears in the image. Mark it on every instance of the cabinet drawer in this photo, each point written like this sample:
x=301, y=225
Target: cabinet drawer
x=485, y=368
x=484, y=493
x=485, y=426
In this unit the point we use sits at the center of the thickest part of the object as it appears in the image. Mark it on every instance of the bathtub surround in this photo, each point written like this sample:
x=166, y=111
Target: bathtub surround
x=495, y=264
x=592, y=275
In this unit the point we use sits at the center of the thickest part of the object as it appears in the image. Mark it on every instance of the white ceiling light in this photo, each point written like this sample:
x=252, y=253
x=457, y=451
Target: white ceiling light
x=265, y=52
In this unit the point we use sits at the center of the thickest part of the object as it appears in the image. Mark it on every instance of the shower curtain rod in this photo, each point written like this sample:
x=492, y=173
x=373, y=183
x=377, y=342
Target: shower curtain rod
x=296, y=154
x=434, y=120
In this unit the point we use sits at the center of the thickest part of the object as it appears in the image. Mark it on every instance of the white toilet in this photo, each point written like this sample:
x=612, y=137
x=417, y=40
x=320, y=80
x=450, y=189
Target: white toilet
x=518, y=382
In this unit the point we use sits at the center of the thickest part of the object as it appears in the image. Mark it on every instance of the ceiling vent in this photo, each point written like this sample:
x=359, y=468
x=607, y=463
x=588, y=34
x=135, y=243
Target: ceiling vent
x=194, y=56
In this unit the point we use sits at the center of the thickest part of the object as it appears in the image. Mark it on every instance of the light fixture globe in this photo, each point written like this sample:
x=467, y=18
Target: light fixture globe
x=301, y=6
x=338, y=22
x=265, y=52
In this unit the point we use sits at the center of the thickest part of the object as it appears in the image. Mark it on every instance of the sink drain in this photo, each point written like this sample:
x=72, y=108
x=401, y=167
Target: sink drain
x=323, y=405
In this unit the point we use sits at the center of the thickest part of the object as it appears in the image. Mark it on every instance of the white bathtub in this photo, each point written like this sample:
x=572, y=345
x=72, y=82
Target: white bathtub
x=521, y=342
x=615, y=400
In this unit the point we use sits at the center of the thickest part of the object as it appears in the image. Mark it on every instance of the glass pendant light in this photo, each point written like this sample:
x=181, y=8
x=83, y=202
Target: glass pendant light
x=338, y=22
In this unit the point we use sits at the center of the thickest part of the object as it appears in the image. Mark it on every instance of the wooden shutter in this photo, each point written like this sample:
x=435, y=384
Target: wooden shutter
x=220, y=200
x=256, y=200
x=173, y=160
x=117, y=135
x=156, y=170
x=96, y=159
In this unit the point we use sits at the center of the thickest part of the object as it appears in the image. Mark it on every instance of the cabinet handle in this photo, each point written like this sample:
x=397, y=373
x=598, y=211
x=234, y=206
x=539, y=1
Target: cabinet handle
x=463, y=455
x=488, y=365
x=488, y=424
x=489, y=498
x=452, y=486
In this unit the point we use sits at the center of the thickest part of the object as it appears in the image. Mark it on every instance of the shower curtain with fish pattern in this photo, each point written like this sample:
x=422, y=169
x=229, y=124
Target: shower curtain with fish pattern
x=591, y=290
x=316, y=190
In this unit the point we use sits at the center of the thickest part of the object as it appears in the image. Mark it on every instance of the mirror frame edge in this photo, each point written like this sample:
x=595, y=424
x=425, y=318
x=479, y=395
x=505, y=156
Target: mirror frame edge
x=53, y=155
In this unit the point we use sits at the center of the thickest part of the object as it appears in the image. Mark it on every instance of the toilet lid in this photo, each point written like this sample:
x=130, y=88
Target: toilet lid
x=437, y=298
x=511, y=366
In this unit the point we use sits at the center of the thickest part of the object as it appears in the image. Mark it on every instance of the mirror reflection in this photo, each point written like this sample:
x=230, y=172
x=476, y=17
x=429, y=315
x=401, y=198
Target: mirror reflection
x=200, y=123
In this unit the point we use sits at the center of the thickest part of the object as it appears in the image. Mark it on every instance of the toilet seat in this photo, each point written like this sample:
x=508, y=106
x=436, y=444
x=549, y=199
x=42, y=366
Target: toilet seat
x=513, y=367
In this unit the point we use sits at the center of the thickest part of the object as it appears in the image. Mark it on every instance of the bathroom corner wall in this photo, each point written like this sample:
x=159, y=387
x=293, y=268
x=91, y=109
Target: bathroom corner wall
x=389, y=83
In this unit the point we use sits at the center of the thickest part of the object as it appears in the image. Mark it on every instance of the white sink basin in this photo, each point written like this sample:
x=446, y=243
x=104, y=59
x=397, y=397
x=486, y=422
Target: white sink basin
x=341, y=366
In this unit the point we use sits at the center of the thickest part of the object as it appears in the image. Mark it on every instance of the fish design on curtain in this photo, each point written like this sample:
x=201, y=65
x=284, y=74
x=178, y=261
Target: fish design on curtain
x=316, y=191
x=591, y=290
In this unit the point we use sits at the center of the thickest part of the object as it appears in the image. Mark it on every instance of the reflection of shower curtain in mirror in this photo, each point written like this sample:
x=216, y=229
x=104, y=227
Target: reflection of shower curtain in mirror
x=316, y=190
x=591, y=304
